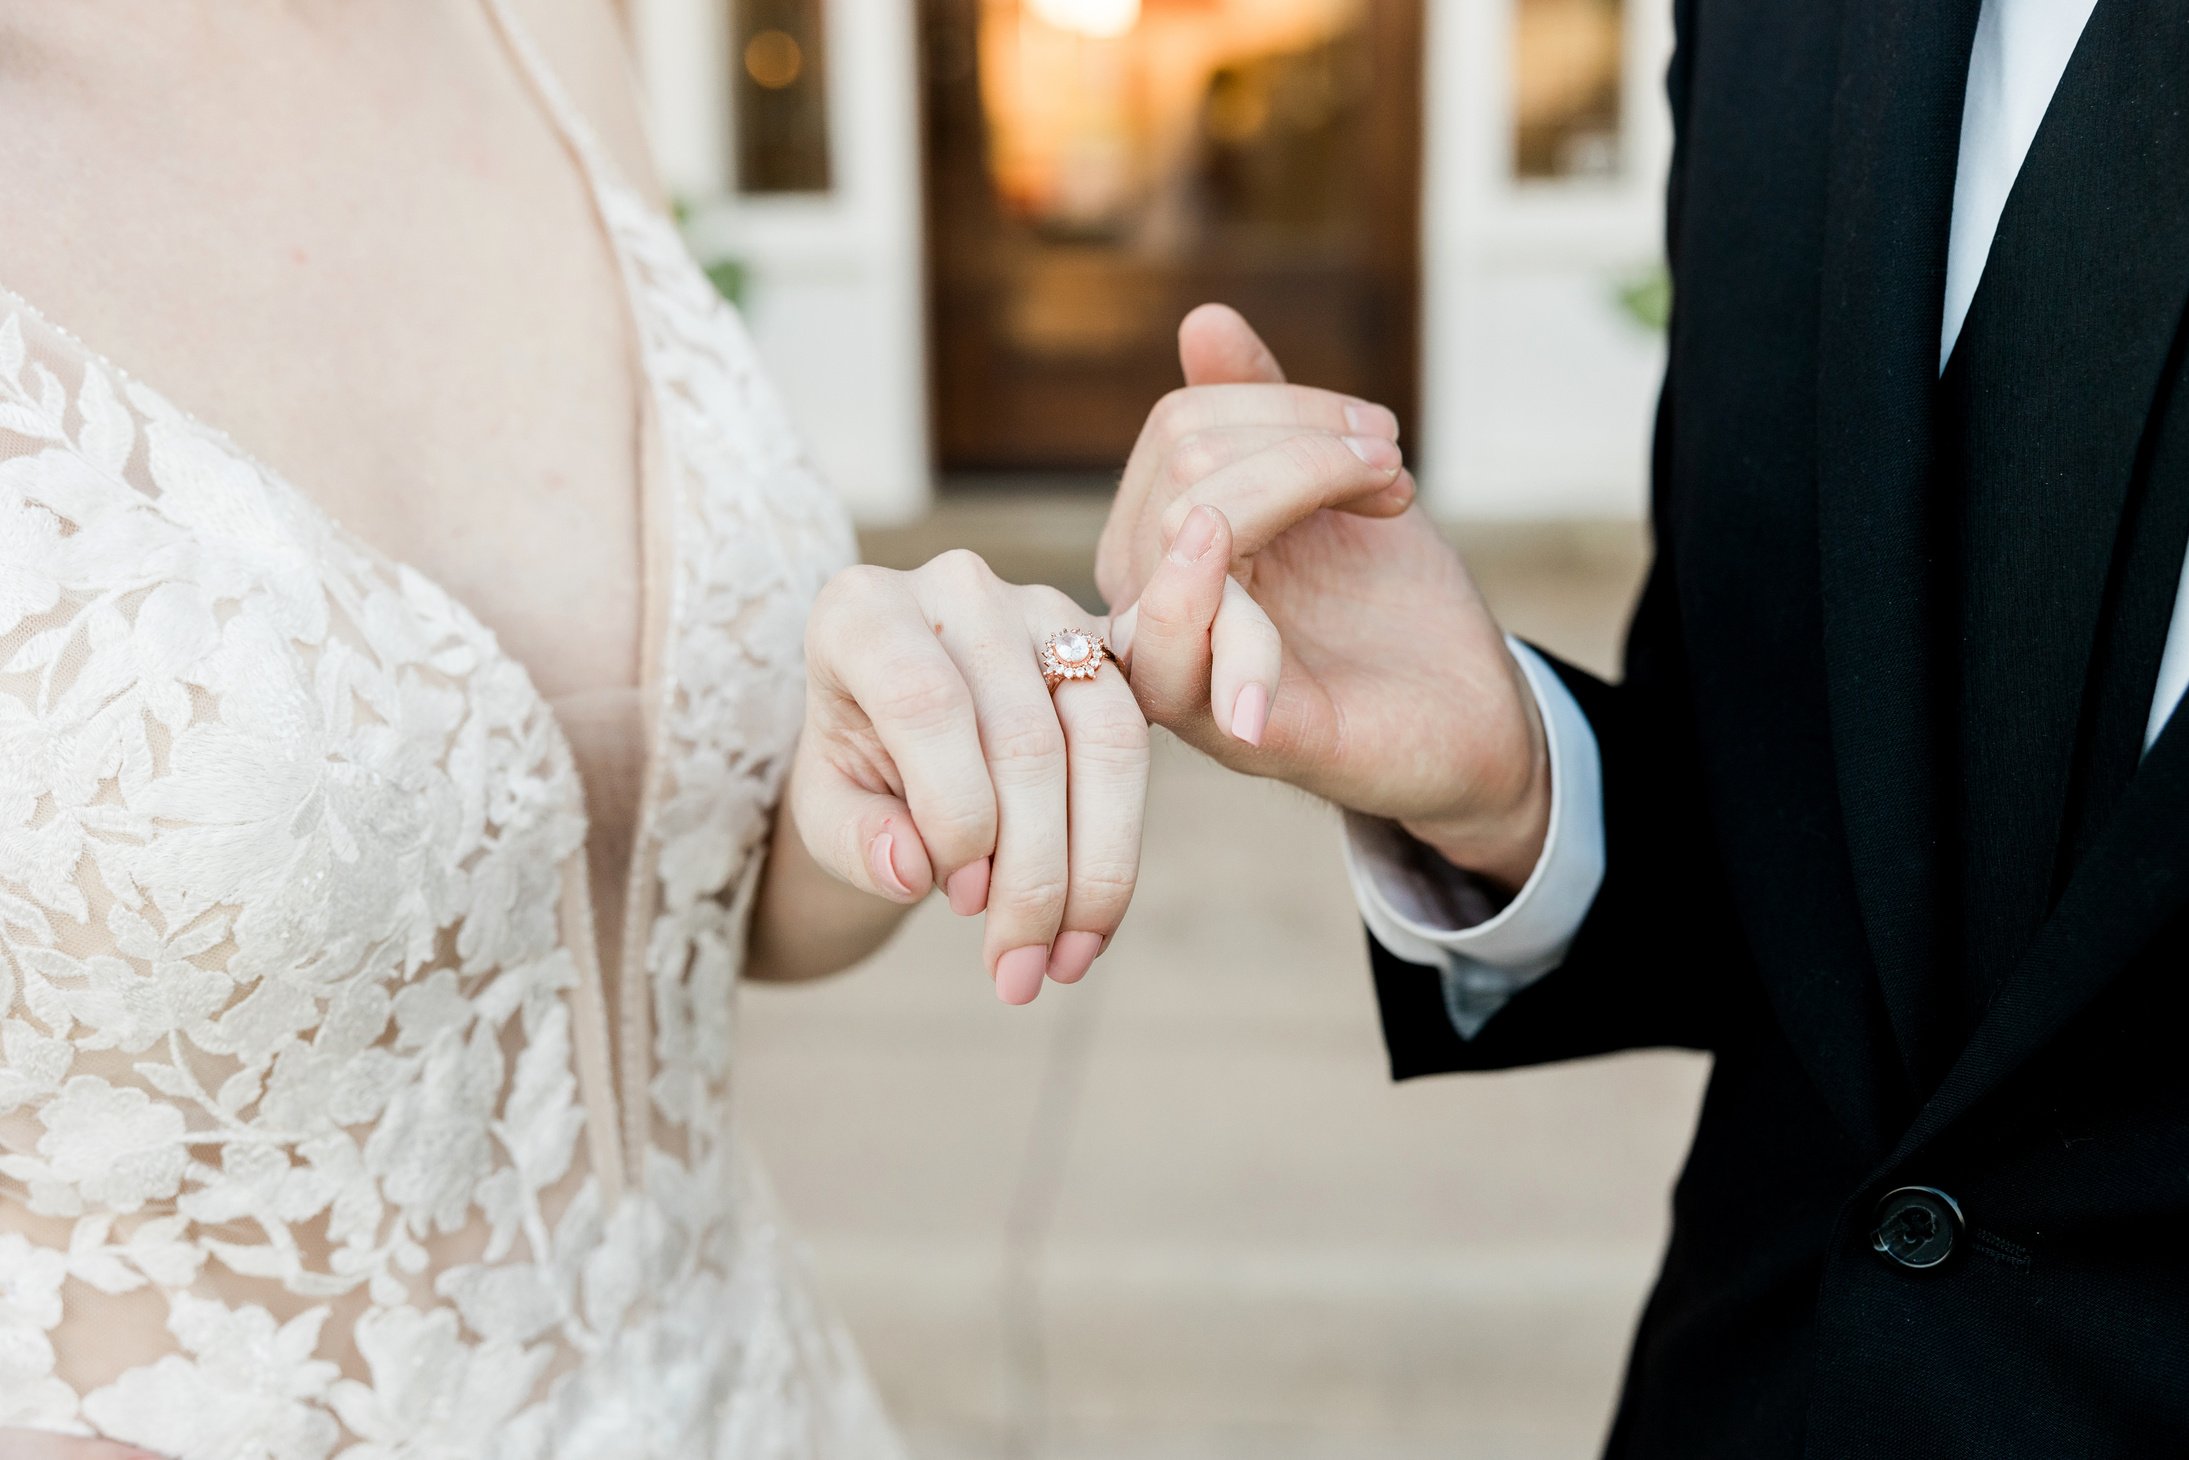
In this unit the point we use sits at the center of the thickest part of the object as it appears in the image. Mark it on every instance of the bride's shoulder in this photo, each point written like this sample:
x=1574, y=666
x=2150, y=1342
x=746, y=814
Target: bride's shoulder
x=587, y=43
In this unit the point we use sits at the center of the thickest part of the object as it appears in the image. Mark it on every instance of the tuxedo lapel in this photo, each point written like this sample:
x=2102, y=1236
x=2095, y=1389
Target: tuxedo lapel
x=2134, y=881
x=2087, y=286
x=1895, y=140
x=2048, y=396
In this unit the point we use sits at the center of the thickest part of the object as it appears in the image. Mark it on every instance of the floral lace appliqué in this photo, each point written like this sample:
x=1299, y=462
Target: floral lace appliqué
x=290, y=1003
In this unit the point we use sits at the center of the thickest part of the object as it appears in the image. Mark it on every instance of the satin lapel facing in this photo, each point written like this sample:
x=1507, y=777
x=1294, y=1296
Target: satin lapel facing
x=2059, y=368
x=2095, y=247
x=1895, y=141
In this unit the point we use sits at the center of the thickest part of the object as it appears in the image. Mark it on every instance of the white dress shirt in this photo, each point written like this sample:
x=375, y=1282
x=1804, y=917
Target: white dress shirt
x=1423, y=911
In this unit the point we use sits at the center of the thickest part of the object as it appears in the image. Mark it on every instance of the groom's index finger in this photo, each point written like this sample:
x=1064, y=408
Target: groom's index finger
x=1198, y=408
x=1216, y=346
x=1268, y=493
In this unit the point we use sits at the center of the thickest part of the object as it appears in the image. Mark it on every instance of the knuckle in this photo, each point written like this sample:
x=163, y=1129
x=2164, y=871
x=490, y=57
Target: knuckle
x=1046, y=604
x=1163, y=619
x=1308, y=454
x=1117, y=733
x=1028, y=739
x=1307, y=404
x=1034, y=897
x=864, y=581
x=1174, y=414
x=854, y=588
x=850, y=603
x=1192, y=461
x=1166, y=612
x=1243, y=630
x=962, y=829
x=1104, y=882
x=961, y=568
x=924, y=704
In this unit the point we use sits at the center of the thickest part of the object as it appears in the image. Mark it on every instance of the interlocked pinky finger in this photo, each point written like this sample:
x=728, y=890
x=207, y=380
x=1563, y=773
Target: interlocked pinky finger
x=1247, y=657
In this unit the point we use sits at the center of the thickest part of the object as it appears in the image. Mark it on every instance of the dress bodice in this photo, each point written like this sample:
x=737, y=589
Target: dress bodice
x=326, y=1127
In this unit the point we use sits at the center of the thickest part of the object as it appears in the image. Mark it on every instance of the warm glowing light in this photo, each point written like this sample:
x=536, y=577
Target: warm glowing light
x=773, y=59
x=1103, y=19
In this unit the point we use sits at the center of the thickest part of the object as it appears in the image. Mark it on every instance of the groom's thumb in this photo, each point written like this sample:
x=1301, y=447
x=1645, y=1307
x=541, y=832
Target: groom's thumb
x=1218, y=347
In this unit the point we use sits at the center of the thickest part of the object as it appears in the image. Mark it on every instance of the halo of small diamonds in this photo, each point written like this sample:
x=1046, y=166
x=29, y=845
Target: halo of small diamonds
x=1072, y=654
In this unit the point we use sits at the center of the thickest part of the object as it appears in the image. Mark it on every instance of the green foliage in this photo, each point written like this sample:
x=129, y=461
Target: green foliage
x=1647, y=297
x=728, y=275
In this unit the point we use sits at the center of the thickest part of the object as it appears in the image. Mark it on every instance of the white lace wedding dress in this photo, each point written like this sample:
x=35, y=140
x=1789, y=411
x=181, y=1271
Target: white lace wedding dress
x=323, y=1129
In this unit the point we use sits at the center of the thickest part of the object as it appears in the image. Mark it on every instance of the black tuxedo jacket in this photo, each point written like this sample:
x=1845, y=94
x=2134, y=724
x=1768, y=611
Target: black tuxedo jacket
x=1787, y=767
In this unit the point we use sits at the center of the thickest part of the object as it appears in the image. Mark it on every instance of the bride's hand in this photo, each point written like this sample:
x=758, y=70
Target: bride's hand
x=934, y=755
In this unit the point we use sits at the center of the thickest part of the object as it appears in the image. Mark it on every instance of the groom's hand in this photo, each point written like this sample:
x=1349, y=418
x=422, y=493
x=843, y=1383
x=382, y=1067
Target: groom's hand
x=1261, y=451
x=1296, y=616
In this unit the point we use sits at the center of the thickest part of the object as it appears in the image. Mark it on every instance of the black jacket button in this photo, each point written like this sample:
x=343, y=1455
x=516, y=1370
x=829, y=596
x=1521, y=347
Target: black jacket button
x=1917, y=1226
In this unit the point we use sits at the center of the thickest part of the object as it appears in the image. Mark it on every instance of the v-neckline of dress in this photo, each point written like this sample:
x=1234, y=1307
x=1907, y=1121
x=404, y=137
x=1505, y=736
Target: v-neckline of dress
x=624, y=1040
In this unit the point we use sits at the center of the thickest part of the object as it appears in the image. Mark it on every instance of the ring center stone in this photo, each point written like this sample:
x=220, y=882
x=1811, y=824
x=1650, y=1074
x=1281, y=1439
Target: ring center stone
x=1074, y=648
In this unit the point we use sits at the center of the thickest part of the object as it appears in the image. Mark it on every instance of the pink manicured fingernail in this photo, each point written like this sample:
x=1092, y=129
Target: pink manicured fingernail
x=881, y=857
x=1250, y=714
x=1370, y=419
x=1074, y=954
x=968, y=889
x=1377, y=452
x=1019, y=974
x=1195, y=535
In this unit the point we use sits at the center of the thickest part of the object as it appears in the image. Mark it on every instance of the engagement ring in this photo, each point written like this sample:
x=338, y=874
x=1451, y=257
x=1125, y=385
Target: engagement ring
x=1073, y=654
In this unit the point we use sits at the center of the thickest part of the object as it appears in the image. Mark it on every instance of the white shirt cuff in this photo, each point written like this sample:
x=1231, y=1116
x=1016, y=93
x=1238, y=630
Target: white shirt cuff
x=1426, y=911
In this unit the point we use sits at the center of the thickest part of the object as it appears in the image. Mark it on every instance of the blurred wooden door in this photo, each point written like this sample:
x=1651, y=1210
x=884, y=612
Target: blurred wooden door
x=1095, y=168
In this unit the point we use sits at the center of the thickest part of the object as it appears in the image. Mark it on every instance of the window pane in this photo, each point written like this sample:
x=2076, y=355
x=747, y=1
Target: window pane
x=780, y=78
x=1566, y=82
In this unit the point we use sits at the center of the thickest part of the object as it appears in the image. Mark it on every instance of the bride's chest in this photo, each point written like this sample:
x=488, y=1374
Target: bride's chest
x=409, y=310
x=249, y=731
x=350, y=738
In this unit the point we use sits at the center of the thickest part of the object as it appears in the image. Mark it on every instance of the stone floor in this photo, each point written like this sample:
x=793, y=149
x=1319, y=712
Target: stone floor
x=1179, y=1212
